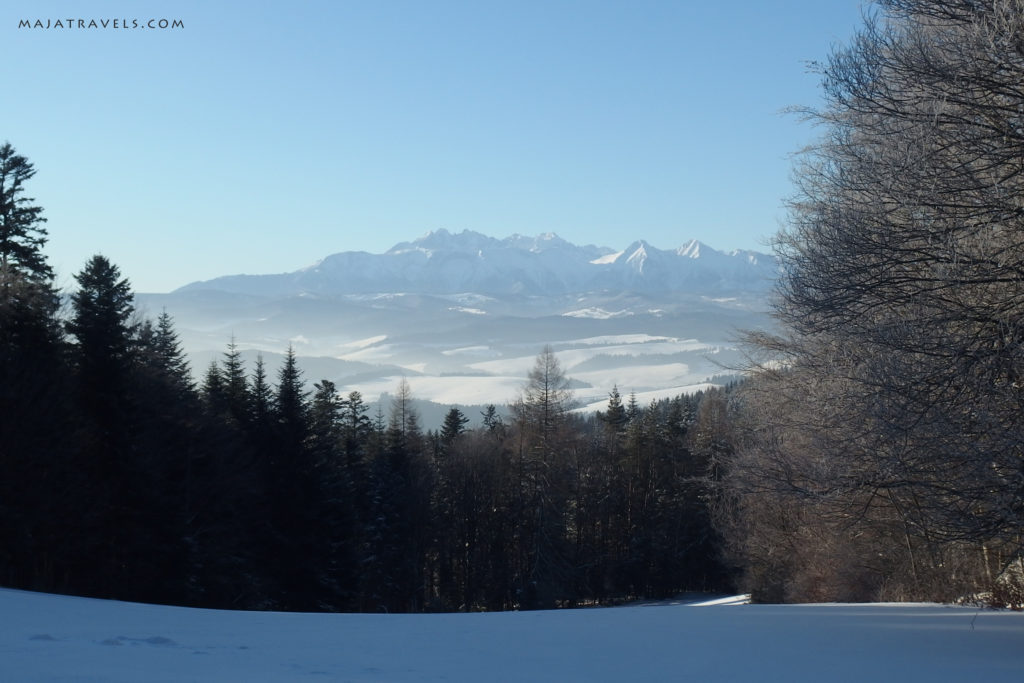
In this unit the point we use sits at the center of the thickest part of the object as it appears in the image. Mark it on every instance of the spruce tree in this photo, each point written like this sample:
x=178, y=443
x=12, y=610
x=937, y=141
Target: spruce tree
x=28, y=301
x=616, y=417
x=22, y=235
x=297, y=551
x=160, y=351
x=101, y=319
x=101, y=324
x=236, y=388
x=454, y=425
x=335, y=517
x=36, y=536
x=261, y=398
x=212, y=390
x=290, y=403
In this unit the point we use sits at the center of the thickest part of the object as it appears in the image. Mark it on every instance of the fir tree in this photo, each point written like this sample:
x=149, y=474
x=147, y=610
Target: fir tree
x=101, y=324
x=261, y=397
x=212, y=390
x=22, y=235
x=325, y=422
x=36, y=536
x=161, y=352
x=236, y=388
x=616, y=417
x=454, y=426
x=290, y=403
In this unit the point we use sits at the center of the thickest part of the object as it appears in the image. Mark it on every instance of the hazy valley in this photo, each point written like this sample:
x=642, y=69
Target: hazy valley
x=462, y=317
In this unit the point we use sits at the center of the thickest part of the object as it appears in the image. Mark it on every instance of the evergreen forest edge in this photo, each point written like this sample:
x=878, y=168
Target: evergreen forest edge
x=875, y=450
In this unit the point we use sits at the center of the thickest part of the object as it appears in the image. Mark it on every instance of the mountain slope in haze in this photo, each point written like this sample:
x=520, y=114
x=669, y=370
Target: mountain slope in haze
x=446, y=263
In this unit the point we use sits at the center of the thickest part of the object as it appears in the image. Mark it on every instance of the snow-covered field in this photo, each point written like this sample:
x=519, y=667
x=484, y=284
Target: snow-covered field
x=61, y=639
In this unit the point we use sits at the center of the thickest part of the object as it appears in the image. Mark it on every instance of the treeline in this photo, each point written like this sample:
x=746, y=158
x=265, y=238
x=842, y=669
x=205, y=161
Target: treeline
x=120, y=477
x=879, y=453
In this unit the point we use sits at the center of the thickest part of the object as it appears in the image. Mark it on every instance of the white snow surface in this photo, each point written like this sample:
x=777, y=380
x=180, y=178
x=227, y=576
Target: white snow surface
x=51, y=639
x=364, y=343
x=596, y=313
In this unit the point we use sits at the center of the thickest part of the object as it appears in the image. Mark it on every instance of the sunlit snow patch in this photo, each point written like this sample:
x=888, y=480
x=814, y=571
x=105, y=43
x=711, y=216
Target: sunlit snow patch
x=729, y=600
x=607, y=258
x=596, y=314
x=623, y=339
x=363, y=343
x=471, y=351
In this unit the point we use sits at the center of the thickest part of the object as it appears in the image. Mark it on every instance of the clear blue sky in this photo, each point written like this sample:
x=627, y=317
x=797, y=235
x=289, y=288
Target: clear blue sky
x=264, y=136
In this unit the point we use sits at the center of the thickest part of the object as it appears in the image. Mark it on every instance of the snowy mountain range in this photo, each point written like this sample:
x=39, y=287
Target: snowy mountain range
x=462, y=316
x=446, y=263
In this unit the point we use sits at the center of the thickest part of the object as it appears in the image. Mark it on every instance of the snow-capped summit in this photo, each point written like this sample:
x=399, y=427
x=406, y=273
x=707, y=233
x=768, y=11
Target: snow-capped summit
x=691, y=249
x=442, y=262
x=443, y=240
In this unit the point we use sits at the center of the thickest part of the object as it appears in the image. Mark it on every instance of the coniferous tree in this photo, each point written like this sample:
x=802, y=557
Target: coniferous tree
x=212, y=389
x=396, y=540
x=28, y=300
x=336, y=517
x=168, y=353
x=236, y=387
x=298, y=546
x=290, y=404
x=101, y=324
x=454, y=425
x=544, y=480
x=166, y=439
x=446, y=564
x=34, y=409
x=616, y=416
x=22, y=235
x=261, y=401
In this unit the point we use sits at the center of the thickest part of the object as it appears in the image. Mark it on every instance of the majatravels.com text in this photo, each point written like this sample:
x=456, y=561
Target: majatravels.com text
x=101, y=23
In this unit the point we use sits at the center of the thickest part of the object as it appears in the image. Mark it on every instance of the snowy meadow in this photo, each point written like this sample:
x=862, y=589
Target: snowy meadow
x=49, y=638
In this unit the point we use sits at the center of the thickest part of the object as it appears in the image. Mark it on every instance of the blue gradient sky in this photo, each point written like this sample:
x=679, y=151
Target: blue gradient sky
x=265, y=135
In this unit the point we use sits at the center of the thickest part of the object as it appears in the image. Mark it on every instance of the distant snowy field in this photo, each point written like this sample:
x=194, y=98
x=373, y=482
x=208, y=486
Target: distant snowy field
x=60, y=639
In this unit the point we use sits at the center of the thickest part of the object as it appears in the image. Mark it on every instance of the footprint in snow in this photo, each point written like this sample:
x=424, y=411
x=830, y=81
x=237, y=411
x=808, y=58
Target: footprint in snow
x=158, y=641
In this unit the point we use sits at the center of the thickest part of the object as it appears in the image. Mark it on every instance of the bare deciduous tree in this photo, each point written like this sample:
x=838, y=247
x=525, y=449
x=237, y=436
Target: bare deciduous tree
x=902, y=396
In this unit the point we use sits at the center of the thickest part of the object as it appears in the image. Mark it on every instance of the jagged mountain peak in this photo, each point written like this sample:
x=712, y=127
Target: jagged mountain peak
x=443, y=240
x=696, y=249
x=638, y=252
x=538, y=243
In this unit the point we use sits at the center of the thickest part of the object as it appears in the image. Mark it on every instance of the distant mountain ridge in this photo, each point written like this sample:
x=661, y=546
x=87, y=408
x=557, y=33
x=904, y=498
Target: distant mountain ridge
x=442, y=262
x=462, y=316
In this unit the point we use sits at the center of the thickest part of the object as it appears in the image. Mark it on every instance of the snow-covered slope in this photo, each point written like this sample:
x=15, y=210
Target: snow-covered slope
x=446, y=263
x=51, y=639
